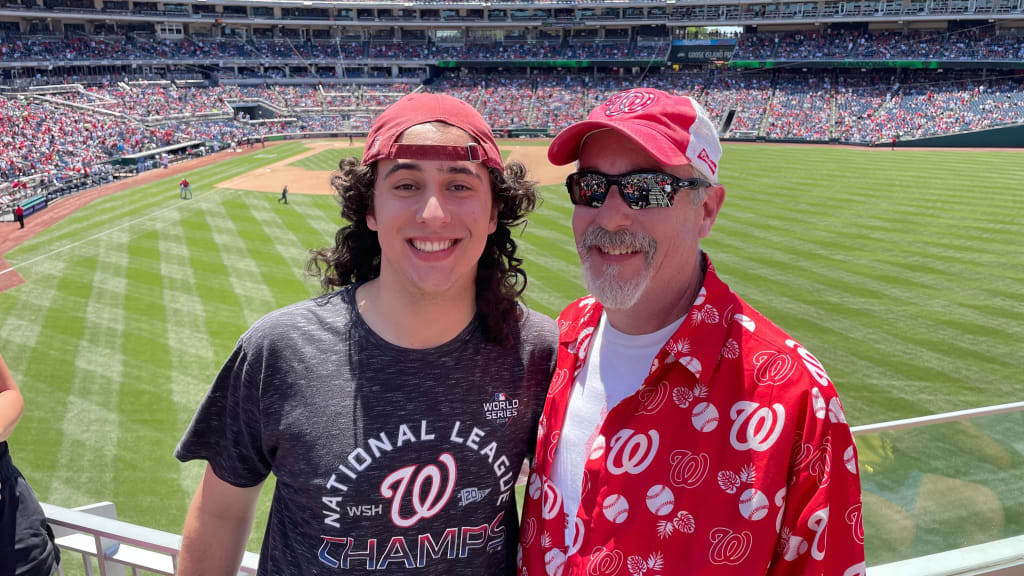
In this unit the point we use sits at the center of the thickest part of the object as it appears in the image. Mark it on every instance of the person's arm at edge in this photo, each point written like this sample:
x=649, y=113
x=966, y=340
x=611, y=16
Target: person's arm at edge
x=217, y=527
x=11, y=403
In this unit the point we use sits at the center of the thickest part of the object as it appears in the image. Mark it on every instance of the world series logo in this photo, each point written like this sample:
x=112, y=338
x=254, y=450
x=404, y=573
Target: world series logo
x=501, y=409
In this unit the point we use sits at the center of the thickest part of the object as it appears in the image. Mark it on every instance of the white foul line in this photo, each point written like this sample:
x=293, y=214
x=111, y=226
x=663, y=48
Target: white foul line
x=94, y=236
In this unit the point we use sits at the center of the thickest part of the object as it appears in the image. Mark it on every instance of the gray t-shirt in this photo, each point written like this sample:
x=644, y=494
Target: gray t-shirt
x=386, y=458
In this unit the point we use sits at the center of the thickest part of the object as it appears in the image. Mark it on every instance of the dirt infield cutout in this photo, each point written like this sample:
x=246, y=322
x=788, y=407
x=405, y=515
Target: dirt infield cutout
x=274, y=177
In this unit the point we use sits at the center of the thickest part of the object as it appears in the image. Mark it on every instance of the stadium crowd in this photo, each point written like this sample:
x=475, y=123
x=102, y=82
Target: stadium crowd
x=73, y=131
x=838, y=44
x=15, y=47
x=70, y=131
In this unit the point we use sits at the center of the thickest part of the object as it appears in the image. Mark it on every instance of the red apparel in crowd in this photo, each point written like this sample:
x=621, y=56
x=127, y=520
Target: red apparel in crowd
x=734, y=457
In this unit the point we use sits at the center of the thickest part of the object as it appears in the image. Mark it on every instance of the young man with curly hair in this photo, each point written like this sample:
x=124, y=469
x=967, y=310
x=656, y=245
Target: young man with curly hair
x=396, y=409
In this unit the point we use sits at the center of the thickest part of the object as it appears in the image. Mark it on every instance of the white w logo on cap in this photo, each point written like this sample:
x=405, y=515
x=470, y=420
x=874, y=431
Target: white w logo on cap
x=628, y=102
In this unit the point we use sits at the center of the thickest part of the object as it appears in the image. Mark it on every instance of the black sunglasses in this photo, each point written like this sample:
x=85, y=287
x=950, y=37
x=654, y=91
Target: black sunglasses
x=640, y=189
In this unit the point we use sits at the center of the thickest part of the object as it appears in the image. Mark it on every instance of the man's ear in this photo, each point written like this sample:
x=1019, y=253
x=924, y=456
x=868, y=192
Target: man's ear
x=711, y=204
x=493, y=224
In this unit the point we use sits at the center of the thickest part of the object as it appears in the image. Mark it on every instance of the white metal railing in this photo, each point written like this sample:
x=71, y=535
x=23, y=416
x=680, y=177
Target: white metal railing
x=938, y=418
x=94, y=533
x=999, y=558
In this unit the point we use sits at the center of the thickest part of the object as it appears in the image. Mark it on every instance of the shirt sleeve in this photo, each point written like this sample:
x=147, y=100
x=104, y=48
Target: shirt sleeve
x=226, y=430
x=820, y=524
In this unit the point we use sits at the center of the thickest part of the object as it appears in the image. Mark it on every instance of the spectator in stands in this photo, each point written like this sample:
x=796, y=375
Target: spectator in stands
x=26, y=542
x=63, y=134
x=633, y=466
x=417, y=361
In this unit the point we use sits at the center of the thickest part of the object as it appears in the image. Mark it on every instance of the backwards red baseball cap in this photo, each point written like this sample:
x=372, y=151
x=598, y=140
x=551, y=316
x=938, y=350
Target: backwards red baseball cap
x=675, y=130
x=421, y=108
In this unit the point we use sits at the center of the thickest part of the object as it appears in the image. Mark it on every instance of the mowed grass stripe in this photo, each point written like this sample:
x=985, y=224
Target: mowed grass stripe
x=281, y=277
x=312, y=223
x=841, y=232
x=863, y=277
x=320, y=213
x=126, y=230
x=189, y=344
x=546, y=295
x=22, y=309
x=241, y=272
x=898, y=279
x=890, y=229
x=803, y=275
x=188, y=341
x=540, y=251
x=46, y=376
x=876, y=352
x=288, y=225
x=913, y=238
x=291, y=252
x=327, y=159
x=146, y=477
x=220, y=304
x=918, y=202
x=93, y=396
x=911, y=336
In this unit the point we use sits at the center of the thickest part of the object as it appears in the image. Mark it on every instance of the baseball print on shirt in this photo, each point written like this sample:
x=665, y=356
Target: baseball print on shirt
x=733, y=457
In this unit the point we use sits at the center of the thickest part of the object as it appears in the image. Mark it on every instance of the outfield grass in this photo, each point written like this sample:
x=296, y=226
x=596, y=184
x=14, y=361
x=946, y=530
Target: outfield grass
x=327, y=159
x=901, y=271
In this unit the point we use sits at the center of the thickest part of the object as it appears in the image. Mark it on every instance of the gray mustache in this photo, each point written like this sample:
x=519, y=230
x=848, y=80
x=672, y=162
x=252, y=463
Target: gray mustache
x=598, y=237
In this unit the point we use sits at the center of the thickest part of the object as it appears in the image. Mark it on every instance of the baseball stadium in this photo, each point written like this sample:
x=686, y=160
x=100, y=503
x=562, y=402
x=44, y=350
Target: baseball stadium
x=873, y=157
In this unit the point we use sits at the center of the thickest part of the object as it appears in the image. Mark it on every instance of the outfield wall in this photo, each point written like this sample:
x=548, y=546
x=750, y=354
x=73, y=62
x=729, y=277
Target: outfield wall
x=1002, y=137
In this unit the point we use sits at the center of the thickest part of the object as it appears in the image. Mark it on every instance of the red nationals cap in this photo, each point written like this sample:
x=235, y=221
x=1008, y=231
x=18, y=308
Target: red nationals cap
x=422, y=108
x=675, y=130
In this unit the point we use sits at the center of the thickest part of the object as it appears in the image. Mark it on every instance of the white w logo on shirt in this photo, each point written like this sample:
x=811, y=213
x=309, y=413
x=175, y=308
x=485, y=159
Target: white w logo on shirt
x=631, y=451
x=425, y=507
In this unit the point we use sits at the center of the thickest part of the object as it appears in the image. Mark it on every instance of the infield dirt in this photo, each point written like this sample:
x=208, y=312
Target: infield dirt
x=274, y=177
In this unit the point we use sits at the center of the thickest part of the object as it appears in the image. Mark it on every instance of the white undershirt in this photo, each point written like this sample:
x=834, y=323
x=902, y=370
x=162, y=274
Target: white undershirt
x=600, y=385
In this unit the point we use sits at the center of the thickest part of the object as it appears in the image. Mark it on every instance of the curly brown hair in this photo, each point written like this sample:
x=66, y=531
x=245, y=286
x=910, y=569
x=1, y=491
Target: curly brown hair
x=500, y=279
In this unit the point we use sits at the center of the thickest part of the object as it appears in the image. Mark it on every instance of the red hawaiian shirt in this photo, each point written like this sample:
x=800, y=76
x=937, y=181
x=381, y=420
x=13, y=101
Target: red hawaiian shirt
x=733, y=457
